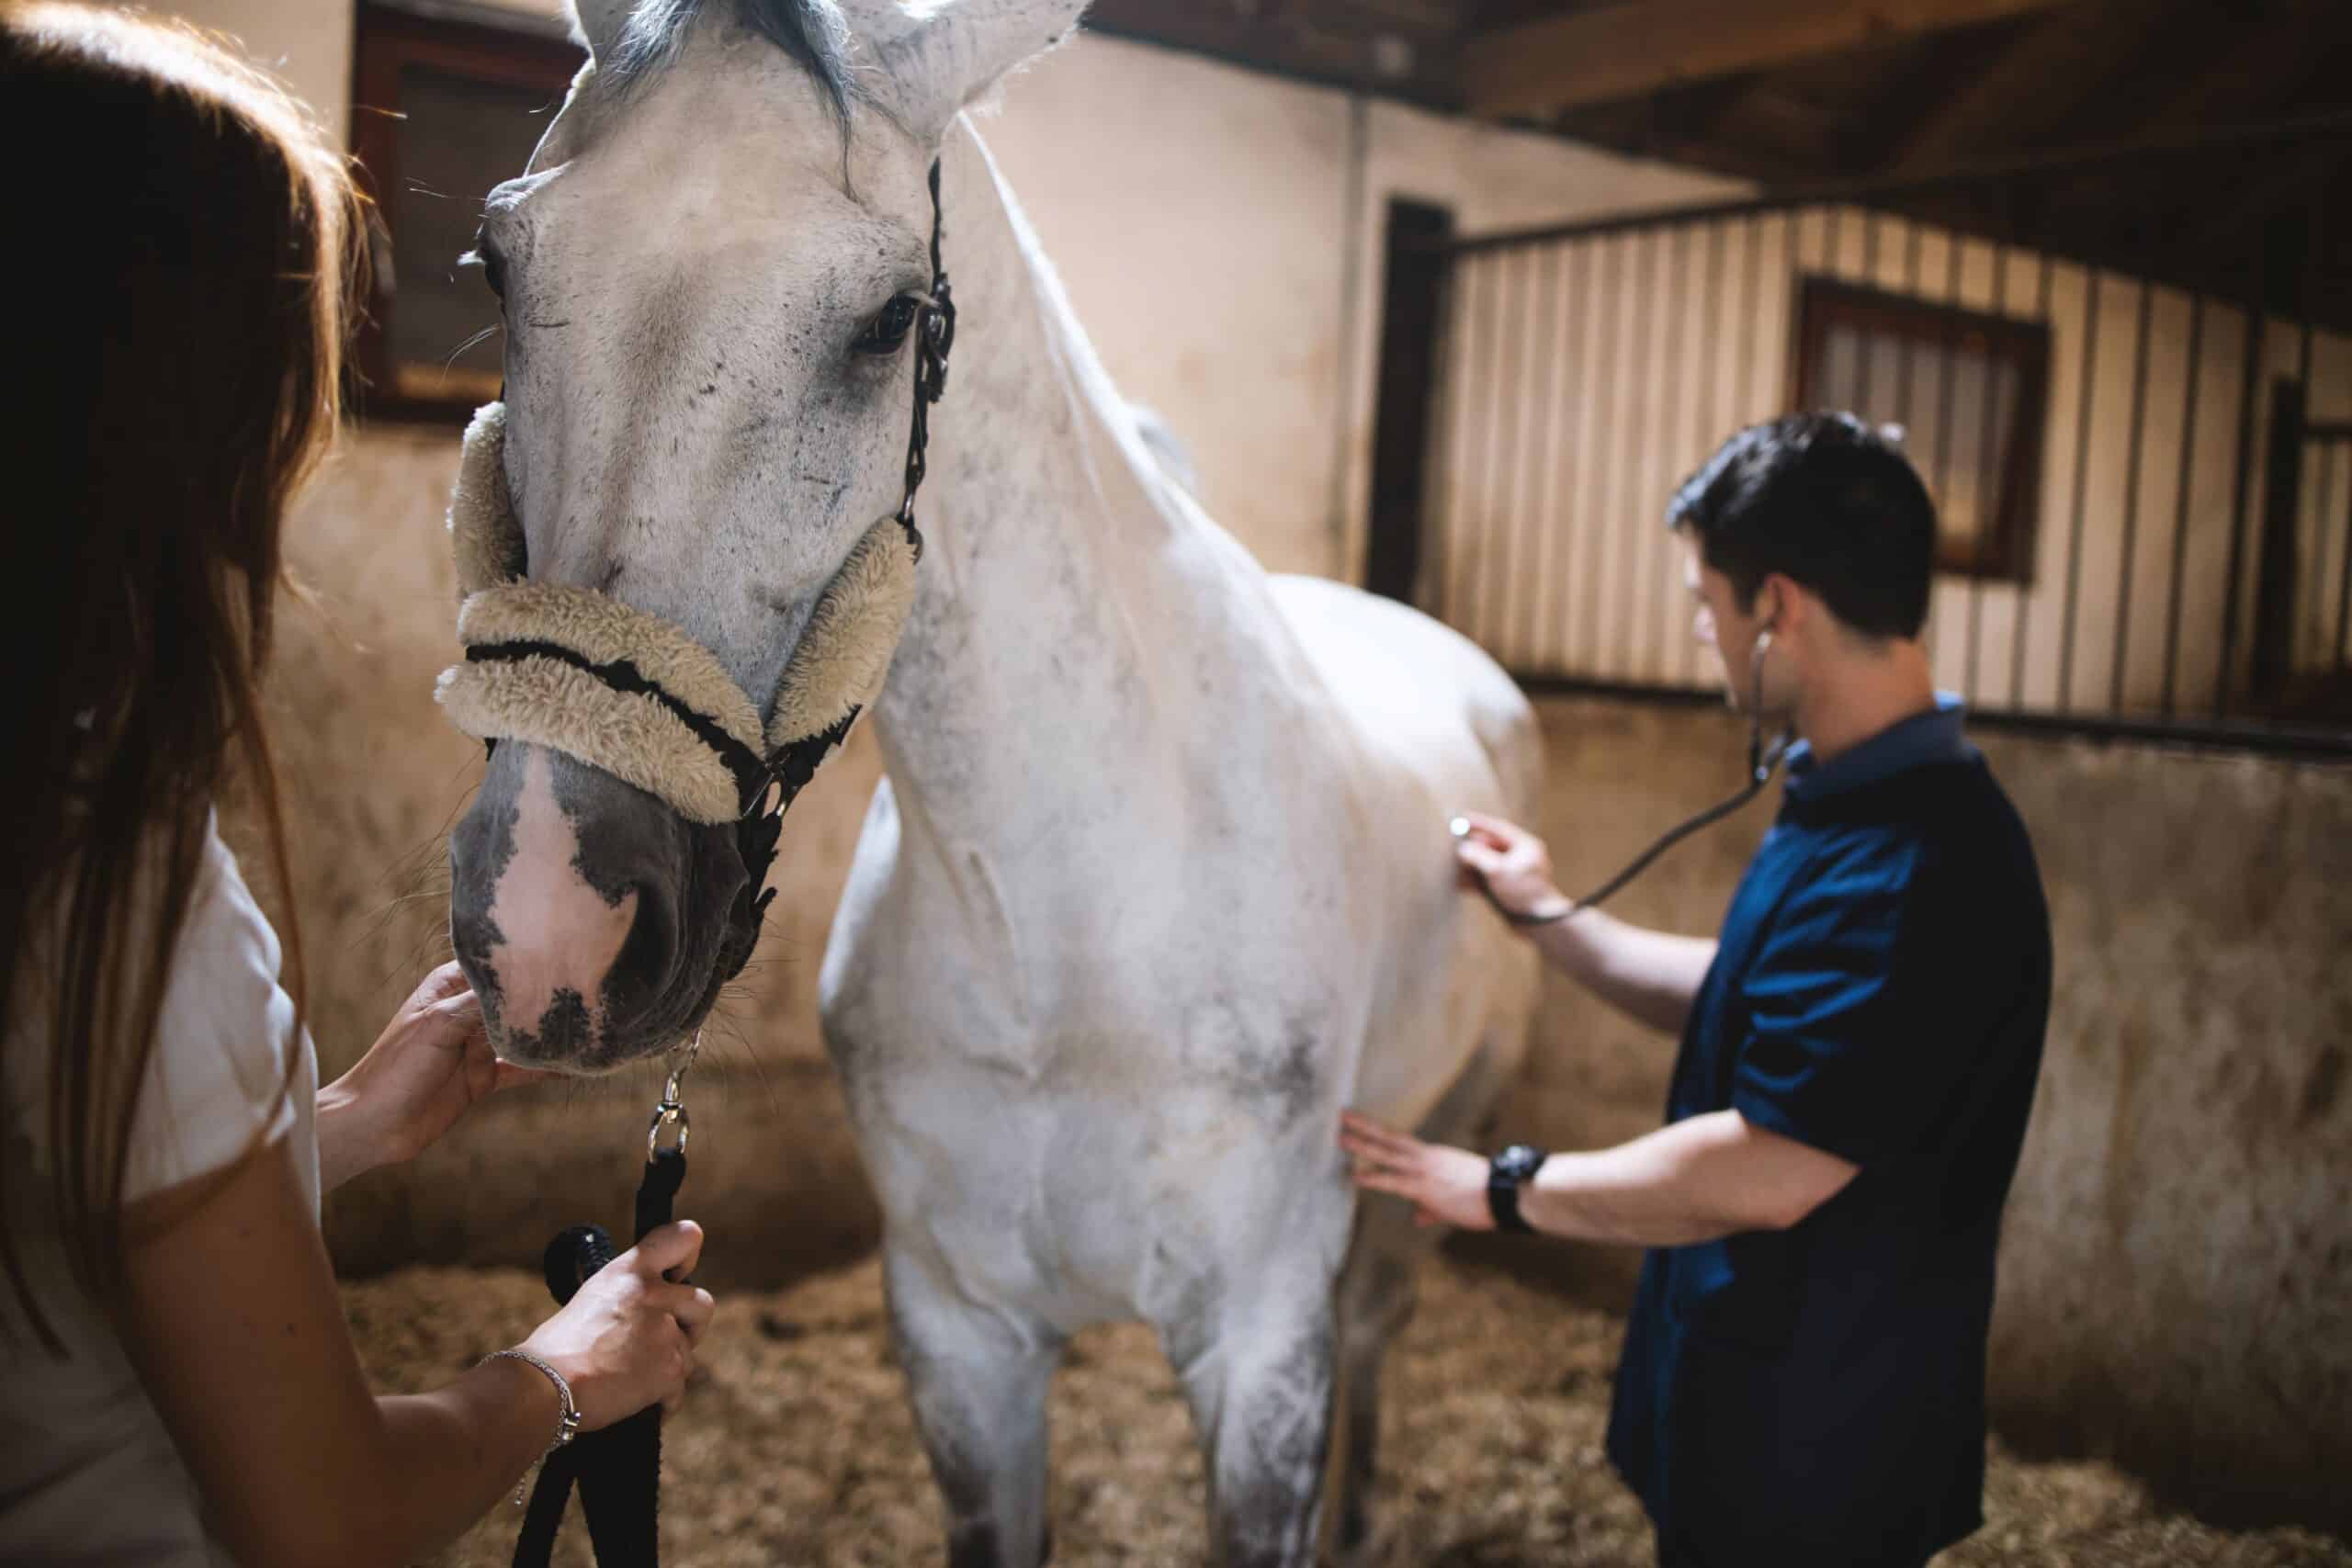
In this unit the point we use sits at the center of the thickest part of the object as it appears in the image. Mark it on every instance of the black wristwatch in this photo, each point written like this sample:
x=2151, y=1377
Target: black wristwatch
x=1506, y=1173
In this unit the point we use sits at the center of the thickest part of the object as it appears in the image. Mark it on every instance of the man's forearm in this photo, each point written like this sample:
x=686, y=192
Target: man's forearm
x=1698, y=1180
x=1651, y=976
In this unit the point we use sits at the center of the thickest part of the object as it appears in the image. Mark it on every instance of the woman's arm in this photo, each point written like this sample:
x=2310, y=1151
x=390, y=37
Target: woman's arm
x=233, y=1320
x=427, y=1069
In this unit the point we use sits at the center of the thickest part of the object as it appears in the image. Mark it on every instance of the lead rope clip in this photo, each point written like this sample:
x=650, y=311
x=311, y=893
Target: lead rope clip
x=670, y=1112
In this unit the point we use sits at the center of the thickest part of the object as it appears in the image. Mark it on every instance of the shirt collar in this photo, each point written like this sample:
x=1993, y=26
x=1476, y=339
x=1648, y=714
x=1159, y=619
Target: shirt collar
x=1935, y=736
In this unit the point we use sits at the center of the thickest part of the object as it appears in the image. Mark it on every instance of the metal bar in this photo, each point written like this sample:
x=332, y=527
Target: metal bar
x=1751, y=291
x=1490, y=432
x=1602, y=519
x=1639, y=316
x=1711, y=361
x=1649, y=594
x=1550, y=616
x=2281, y=566
x=1579, y=502
x=2293, y=742
x=2081, y=485
x=2343, y=590
x=1989, y=485
x=2181, y=500
x=1510, y=414
x=1950, y=356
x=2124, y=572
x=1882, y=188
x=2328, y=454
x=2019, y=626
x=2314, y=229
x=2257, y=352
x=1903, y=346
x=1865, y=351
x=1535, y=504
x=1503, y=565
x=1466, y=522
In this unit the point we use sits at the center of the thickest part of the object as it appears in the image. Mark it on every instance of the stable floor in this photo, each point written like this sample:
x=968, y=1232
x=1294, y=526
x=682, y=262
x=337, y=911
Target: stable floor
x=796, y=1447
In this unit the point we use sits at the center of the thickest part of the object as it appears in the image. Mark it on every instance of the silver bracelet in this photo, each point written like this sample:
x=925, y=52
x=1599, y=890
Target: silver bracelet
x=567, y=1421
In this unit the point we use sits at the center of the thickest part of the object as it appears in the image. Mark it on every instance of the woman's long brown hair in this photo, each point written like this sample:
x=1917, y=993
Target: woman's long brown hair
x=184, y=246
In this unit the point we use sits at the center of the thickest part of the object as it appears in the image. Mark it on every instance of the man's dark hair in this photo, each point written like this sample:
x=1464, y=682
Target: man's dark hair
x=1826, y=501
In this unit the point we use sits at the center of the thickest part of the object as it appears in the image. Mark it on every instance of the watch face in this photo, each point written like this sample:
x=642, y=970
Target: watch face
x=1518, y=1162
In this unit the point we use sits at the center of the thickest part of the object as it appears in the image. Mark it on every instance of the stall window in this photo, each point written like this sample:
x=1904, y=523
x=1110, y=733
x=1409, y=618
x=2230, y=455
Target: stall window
x=1968, y=391
x=443, y=110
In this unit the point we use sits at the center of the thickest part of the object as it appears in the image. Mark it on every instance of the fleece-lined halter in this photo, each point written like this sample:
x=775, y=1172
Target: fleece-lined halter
x=635, y=695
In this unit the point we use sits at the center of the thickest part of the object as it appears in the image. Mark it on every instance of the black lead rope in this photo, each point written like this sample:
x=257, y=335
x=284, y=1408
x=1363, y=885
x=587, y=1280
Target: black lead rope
x=617, y=1469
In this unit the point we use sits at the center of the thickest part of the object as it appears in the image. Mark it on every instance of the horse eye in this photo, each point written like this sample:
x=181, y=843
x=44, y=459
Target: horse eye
x=493, y=266
x=886, y=332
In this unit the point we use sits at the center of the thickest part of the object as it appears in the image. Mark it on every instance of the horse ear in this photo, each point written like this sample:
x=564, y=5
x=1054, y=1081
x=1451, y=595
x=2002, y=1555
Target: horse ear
x=932, y=57
x=596, y=25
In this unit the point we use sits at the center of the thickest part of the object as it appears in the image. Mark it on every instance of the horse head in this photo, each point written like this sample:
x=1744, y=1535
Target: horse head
x=717, y=277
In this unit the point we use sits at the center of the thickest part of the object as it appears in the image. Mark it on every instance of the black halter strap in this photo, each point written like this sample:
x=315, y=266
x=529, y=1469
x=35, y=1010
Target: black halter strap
x=934, y=335
x=791, y=766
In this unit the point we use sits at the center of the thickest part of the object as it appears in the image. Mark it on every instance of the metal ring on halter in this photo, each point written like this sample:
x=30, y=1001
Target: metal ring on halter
x=671, y=1109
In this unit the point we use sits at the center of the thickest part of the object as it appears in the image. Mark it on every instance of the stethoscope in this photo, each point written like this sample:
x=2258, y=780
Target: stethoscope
x=1763, y=762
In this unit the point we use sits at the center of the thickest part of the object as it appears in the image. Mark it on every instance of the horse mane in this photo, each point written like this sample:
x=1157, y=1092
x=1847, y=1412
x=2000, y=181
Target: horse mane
x=812, y=32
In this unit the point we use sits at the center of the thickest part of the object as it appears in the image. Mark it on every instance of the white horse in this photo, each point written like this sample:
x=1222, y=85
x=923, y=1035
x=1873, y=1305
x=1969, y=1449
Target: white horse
x=1158, y=879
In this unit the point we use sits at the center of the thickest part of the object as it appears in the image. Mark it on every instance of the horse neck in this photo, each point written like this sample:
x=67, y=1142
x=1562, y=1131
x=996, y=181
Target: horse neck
x=1058, y=559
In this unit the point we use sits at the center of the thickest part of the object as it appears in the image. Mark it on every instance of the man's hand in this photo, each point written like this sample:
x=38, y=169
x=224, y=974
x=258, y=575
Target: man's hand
x=1445, y=1186
x=426, y=1070
x=1512, y=863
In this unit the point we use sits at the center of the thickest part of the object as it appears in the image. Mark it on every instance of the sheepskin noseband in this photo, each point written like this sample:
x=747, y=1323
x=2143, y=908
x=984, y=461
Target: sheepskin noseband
x=630, y=693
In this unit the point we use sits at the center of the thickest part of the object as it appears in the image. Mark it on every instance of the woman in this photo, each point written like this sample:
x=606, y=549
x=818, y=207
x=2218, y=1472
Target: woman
x=179, y=1382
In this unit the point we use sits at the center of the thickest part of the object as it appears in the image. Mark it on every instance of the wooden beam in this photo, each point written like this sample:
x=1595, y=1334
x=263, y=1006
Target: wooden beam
x=1639, y=46
x=2281, y=47
x=2041, y=76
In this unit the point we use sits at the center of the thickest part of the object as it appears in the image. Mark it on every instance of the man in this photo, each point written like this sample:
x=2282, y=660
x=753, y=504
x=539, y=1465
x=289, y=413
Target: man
x=1803, y=1371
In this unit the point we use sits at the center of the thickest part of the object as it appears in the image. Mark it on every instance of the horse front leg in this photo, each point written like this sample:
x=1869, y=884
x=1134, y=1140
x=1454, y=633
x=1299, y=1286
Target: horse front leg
x=977, y=1375
x=1259, y=1375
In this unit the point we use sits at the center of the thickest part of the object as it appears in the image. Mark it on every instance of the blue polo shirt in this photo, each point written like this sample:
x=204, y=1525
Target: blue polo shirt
x=1817, y=1395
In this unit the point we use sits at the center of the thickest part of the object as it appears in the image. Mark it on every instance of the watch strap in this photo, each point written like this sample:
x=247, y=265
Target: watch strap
x=1505, y=1173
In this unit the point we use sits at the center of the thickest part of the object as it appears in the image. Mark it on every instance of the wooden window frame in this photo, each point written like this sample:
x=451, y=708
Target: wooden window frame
x=385, y=39
x=2004, y=551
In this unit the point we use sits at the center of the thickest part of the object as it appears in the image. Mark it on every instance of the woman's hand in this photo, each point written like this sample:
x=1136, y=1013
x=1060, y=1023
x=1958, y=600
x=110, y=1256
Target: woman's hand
x=1513, y=865
x=1445, y=1186
x=628, y=1339
x=426, y=1070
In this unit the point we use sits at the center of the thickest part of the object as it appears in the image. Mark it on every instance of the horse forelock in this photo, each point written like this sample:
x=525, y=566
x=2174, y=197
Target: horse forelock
x=810, y=31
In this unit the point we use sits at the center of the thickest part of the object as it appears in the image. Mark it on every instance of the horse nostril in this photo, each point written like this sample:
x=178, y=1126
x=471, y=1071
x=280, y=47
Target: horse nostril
x=648, y=963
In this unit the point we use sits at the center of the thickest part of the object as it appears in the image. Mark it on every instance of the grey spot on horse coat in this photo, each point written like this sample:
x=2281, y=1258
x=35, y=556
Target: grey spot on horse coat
x=565, y=1027
x=485, y=838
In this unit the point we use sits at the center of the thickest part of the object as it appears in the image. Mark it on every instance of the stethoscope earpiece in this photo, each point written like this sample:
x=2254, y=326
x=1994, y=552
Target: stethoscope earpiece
x=1763, y=760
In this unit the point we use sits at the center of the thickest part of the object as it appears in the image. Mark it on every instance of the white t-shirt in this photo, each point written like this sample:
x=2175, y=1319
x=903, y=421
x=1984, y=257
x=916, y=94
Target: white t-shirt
x=87, y=1474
